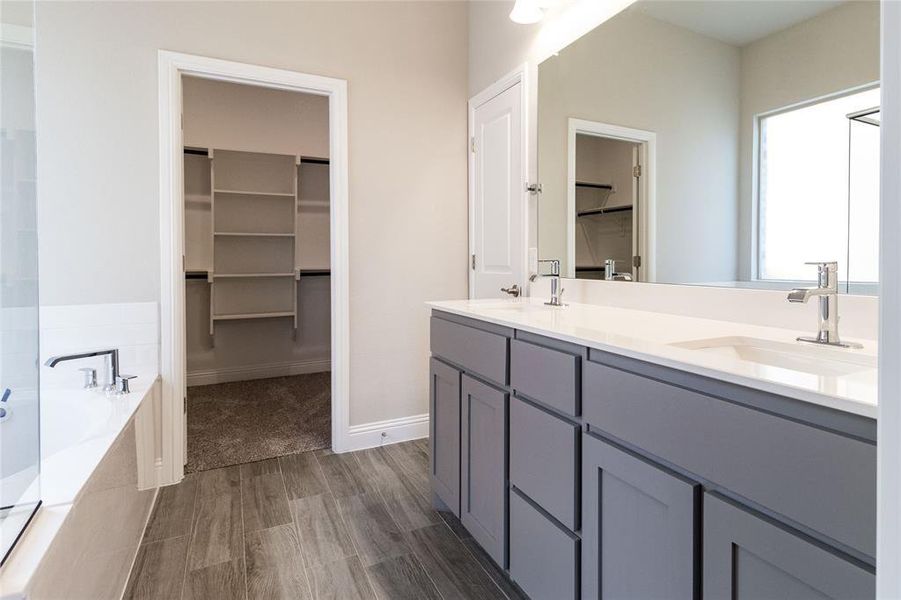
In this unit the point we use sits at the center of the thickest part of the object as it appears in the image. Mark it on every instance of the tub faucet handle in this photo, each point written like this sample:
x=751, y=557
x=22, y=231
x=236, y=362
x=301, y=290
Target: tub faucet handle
x=4, y=408
x=90, y=377
x=122, y=384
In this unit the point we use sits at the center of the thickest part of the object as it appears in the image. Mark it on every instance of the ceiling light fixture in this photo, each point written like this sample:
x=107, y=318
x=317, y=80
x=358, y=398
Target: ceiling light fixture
x=526, y=12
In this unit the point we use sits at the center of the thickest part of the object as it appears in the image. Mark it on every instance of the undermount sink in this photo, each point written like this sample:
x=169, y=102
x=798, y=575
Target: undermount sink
x=518, y=307
x=797, y=356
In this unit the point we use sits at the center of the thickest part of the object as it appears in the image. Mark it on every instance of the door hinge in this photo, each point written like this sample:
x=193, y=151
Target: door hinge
x=636, y=171
x=472, y=144
x=636, y=261
x=473, y=262
x=533, y=188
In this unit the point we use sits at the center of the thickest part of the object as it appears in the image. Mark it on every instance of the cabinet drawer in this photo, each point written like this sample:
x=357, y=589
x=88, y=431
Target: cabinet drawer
x=816, y=478
x=475, y=350
x=544, y=460
x=546, y=375
x=544, y=557
x=747, y=557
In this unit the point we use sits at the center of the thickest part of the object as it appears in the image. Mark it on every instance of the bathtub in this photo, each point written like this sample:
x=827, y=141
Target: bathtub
x=84, y=537
x=78, y=427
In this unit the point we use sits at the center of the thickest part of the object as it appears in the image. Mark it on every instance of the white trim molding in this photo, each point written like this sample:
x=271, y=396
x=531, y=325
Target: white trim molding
x=523, y=77
x=647, y=189
x=888, y=521
x=391, y=431
x=172, y=66
x=262, y=371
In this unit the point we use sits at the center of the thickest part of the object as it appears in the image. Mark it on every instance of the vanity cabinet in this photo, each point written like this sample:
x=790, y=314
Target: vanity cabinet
x=749, y=557
x=588, y=474
x=641, y=527
x=469, y=372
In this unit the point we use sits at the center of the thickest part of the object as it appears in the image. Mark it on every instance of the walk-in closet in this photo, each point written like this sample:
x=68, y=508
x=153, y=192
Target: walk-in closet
x=257, y=301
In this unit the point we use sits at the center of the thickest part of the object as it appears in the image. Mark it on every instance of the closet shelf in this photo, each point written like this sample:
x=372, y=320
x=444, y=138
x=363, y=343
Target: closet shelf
x=253, y=193
x=251, y=234
x=263, y=315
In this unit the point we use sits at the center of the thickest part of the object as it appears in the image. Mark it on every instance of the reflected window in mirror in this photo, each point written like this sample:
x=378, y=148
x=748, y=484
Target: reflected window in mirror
x=818, y=189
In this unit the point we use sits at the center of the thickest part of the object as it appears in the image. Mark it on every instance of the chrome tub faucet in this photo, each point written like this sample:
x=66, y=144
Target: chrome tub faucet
x=113, y=382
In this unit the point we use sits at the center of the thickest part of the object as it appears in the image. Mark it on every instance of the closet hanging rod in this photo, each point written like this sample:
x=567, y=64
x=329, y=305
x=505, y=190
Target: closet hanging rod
x=197, y=151
x=310, y=160
x=597, y=186
x=602, y=211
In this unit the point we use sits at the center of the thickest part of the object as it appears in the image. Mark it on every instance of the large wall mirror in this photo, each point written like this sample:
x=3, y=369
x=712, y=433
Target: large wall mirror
x=714, y=142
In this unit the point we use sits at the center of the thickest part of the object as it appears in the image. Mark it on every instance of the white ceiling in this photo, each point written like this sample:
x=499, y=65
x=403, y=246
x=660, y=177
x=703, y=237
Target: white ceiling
x=736, y=22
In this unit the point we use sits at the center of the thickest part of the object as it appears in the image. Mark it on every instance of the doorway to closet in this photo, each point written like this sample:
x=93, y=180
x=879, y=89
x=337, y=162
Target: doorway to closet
x=257, y=272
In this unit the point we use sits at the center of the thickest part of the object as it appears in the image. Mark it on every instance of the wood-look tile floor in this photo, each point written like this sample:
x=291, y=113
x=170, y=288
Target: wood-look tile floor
x=314, y=525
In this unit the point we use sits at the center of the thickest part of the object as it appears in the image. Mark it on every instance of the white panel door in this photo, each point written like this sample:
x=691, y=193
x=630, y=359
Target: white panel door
x=498, y=195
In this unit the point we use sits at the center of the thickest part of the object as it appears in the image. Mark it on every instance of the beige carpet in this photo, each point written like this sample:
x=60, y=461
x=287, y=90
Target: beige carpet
x=247, y=421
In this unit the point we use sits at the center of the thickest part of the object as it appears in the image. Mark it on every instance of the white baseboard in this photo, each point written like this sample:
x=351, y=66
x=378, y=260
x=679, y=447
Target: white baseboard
x=392, y=431
x=244, y=373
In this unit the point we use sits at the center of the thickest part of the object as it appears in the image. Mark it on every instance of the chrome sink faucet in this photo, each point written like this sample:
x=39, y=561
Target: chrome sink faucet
x=610, y=273
x=556, y=290
x=114, y=381
x=827, y=315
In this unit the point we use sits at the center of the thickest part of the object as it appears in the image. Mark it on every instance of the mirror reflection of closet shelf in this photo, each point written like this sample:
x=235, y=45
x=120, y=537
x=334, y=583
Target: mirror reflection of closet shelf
x=243, y=224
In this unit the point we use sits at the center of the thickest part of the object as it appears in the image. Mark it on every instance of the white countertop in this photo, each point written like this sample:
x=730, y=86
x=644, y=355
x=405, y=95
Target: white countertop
x=650, y=336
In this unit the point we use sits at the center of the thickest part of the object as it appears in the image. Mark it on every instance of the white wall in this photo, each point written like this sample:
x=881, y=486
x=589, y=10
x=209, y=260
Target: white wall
x=230, y=116
x=406, y=67
x=497, y=45
x=684, y=87
x=829, y=53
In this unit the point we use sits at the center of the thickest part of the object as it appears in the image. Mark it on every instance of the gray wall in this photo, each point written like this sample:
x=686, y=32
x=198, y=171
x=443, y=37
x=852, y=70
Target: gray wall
x=406, y=66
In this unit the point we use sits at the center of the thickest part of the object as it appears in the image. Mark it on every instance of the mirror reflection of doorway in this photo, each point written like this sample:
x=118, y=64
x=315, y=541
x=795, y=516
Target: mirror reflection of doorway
x=606, y=190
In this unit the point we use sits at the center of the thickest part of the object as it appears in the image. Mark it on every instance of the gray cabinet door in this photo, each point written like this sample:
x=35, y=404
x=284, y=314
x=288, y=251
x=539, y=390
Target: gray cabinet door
x=639, y=527
x=749, y=558
x=483, y=503
x=444, y=397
